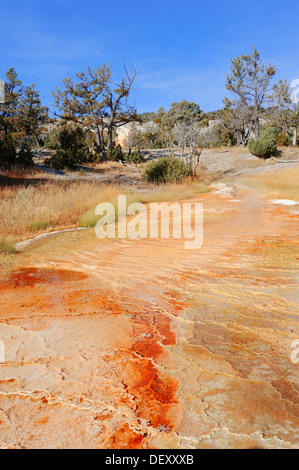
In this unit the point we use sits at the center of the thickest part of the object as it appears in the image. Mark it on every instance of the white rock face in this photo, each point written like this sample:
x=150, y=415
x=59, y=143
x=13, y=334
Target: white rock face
x=123, y=132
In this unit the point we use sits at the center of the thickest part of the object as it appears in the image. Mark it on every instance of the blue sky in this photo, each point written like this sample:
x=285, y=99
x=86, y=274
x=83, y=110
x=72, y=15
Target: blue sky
x=182, y=48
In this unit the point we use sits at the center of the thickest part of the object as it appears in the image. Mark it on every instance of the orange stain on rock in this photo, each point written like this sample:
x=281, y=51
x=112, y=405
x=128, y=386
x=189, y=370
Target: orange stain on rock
x=114, y=356
x=30, y=277
x=126, y=438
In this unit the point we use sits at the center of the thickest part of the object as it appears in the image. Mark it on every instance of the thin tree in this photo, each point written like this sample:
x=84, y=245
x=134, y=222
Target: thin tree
x=31, y=113
x=284, y=112
x=183, y=119
x=250, y=84
x=9, y=109
x=238, y=120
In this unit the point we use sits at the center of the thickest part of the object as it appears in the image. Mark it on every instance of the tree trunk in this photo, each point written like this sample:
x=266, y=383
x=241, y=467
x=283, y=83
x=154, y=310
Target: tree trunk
x=257, y=128
x=98, y=139
x=242, y=138
x=295, y=136
x=182, y=153
x=37, y=142
x=110, y=139
x=100, y=143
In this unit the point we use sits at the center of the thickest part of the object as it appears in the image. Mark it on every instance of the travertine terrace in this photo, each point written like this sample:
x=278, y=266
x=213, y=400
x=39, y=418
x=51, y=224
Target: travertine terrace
x=142, y=344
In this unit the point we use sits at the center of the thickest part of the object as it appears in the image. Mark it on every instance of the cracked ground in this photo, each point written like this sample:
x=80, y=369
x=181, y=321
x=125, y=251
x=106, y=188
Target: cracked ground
x=143, y=344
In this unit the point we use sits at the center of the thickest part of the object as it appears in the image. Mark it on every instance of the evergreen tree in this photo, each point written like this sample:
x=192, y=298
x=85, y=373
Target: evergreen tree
x=250, y=83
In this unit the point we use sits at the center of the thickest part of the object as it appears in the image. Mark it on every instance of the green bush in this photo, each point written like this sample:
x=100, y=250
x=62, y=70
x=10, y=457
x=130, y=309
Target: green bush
x=115, y=154
x=7, y=246
x=227, y=137
x=52, y=139
x=284, y=139
x=134, y=156
x=166, y=170
x=25, y=156
x=62, y=159
x=40, y=225
x=72, y=149
x=216, y=136
x=8, y=151
x=95, y=157
x=266, y=145
x=270, y=133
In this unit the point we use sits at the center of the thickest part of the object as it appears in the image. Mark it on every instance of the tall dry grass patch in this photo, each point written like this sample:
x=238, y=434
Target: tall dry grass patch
x=280, y=184
x=42, y=207
x=32, y=209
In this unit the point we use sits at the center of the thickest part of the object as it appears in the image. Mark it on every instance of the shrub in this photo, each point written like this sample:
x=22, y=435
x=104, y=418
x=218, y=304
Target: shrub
x=62, y=159
x=7, y=246
x=95, y=157
x=8, y=151
x=134, y=156
x=115, y=154
x=52, y=139
x=270, y=133
x=25, y=156
x=166, y=170
x=266, y=145
x=72, y=149
x=147, y=136
x=284, y=139
x=227, y=137
x=40, y=225
x=216, y=136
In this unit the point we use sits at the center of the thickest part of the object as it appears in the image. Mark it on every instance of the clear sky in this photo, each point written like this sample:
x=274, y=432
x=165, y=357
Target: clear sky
x=182, y=48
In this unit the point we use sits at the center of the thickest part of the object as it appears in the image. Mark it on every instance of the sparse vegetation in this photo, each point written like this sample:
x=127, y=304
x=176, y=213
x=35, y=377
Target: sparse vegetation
x=115, y=153
x=266, y=145
x=133, y=156
x=249, y=83
x=71, y=147
x=279, y=184
x=28, y=211
x=166, y=170
x=7, y=246
x=90, y=112
x=25, y=156
x=8, y=151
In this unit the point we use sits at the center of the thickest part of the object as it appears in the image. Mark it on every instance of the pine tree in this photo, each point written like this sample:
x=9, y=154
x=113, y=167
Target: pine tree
x=250, y=83
x=91, y=101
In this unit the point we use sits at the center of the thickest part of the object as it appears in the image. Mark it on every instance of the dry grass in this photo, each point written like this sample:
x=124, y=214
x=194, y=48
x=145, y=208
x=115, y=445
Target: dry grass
x=279, y=184
x=167, y=192
x=46, y=206
x=29, y=210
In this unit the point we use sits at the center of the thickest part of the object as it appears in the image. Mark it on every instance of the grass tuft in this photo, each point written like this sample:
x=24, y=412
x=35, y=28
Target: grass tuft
x=7, y=246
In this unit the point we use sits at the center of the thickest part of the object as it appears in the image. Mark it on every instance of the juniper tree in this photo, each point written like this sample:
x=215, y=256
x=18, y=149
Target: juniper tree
x=22, y=111
x=285, y=110
x=9, y=109
x=31, y=112
x=280, y=111
x=250, y=84
x=184, y=119
x=238, y=120
x=92, y=101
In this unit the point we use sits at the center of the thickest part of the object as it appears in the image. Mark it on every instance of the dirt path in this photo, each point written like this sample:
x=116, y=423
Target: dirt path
x=137, y=344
